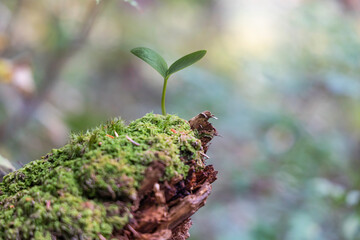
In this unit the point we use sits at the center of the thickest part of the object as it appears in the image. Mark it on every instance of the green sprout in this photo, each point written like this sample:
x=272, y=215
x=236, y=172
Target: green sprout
x=158, y=63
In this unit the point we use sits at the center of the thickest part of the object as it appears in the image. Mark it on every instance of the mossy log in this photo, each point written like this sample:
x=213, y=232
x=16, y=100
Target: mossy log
x=141, y=181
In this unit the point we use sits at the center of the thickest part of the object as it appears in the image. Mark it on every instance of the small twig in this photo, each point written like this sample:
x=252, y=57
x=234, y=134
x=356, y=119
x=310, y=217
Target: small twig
x=134, y=232
x=48, y=205
x=20, y=163
x=101, y=237
x=132, y=141
x=203, y=154
x=110, y=136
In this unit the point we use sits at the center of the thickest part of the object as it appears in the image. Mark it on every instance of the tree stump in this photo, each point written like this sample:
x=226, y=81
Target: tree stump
x=142, y=181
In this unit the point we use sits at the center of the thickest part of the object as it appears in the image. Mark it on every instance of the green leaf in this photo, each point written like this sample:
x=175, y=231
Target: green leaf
x=152, y=58
x=186, y=61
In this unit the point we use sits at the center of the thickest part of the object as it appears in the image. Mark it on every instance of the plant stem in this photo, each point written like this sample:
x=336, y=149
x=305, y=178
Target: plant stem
x=163, y=96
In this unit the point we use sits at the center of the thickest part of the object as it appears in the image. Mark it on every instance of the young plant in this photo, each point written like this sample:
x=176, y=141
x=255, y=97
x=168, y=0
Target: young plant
x=158, y=63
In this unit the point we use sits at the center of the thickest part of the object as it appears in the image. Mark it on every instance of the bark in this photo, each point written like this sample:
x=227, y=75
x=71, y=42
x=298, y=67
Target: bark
x=163, y=209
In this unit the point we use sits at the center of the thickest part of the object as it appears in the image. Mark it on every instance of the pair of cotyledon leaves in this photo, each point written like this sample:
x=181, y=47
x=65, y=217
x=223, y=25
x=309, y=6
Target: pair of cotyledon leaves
x=158, y=63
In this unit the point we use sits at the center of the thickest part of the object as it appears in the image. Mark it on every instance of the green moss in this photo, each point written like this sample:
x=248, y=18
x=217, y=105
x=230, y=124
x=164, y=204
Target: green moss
x=65, y=192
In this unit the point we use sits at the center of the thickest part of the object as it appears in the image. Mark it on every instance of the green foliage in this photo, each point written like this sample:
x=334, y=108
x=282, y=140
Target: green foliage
x=65, y=192
x=185, y=61
x=284, y=83
x=152, y=58
x=158, y=63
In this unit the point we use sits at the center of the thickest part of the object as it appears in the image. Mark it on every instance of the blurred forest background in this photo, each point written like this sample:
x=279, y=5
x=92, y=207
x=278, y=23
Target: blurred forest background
x=282, y=76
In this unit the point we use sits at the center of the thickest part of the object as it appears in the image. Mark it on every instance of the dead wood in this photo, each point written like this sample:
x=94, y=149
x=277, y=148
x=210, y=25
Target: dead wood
x=162, y=209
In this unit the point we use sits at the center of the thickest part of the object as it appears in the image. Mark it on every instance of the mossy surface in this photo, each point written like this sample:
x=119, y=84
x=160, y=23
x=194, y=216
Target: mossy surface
x=86, y=188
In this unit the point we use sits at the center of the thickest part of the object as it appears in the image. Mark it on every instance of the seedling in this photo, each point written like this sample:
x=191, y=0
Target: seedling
x=158, y=63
